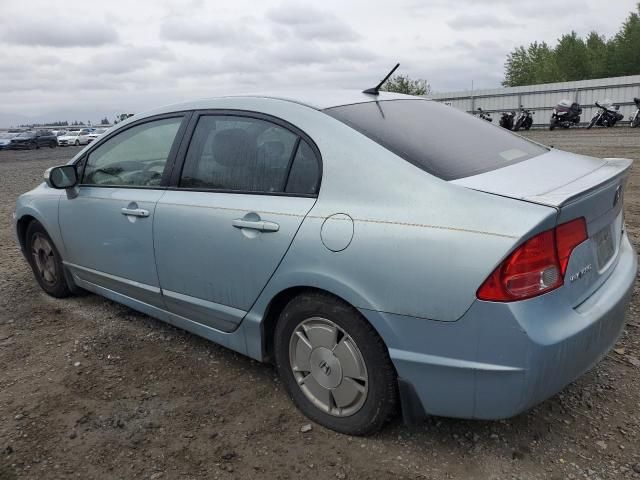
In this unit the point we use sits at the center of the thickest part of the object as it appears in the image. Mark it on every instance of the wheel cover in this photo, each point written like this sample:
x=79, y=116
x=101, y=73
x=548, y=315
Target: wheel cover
x=44, y=259
x=328, y=367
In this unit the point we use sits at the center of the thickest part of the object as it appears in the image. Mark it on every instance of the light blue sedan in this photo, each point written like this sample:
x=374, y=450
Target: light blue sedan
x=388, y=253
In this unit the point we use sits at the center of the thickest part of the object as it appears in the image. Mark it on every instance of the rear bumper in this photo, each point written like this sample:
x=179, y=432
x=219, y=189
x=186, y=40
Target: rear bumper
x=500, y=359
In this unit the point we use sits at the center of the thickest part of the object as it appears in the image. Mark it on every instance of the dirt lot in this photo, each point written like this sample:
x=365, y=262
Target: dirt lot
x=90, y=389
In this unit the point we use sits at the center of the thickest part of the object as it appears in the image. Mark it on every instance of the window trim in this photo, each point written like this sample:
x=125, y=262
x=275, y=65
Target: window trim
x=176, y=174
x=171, y=158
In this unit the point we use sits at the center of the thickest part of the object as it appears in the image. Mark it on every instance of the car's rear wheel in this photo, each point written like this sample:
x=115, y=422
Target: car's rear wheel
x=45, y=261
x=31, y=146
x=334, y=365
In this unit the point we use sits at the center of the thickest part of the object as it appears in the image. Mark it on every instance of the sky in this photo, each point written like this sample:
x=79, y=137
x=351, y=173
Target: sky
x=88, y=59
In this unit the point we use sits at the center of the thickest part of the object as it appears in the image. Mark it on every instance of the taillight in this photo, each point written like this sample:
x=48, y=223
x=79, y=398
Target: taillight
x=568, y=236
x=535, y=267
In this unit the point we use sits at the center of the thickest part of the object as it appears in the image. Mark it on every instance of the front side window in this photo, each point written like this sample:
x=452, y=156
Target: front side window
x=136, y=157
x=236, y=153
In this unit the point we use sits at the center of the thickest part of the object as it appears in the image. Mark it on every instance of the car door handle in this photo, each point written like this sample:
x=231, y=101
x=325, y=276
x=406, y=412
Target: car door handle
x=135, y=212
x=259, y=225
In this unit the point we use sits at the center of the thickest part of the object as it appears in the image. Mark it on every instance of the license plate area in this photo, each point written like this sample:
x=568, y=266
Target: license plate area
x=605, y=247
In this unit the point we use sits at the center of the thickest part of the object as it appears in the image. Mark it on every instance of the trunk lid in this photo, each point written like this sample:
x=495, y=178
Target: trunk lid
x=577, y=186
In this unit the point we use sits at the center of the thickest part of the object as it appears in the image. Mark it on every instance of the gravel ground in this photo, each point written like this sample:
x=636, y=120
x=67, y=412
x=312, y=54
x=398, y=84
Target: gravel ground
x=91, y=389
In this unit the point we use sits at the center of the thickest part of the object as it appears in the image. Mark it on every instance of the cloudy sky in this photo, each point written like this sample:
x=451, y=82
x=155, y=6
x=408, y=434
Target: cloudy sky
x=84, y=59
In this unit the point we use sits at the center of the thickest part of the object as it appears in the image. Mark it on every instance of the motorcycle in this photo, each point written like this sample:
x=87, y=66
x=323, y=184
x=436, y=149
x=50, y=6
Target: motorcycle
x=565, y=114
x=525, y=119
x=484, y=115
x=606, y=116
x=506, y=120
x=634, y=120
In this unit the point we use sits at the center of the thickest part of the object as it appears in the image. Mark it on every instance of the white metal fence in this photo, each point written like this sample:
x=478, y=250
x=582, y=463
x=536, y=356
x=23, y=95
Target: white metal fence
x=542, y=98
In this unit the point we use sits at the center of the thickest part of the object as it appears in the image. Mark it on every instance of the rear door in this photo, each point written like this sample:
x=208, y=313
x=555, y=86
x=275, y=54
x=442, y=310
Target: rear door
x=107, y=227
x=234, y=208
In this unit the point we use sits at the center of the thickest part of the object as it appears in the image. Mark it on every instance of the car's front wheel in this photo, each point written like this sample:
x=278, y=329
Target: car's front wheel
x=45, y=261
x=334, y=365
x=77, y=143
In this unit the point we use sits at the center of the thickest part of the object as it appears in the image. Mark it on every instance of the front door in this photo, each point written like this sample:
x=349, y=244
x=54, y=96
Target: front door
x=246, y=185
x=107, y=227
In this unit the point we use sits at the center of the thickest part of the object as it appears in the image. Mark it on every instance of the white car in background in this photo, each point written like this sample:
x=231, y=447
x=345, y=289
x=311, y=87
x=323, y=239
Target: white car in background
x=75, y=137
x=96, y=134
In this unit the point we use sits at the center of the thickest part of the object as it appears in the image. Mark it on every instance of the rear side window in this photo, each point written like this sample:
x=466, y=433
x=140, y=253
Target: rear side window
x=305, y=171
x=441, y=140
x=245, y=154
x=136, y=157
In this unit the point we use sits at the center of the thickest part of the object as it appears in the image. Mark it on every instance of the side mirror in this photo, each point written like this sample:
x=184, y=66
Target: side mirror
x=62, y=177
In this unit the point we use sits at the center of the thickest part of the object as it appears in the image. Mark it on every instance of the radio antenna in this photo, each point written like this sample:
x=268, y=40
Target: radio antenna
x=376, y=90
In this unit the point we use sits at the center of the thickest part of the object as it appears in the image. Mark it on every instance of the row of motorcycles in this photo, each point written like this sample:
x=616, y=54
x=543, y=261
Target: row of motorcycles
x=566, y=114
x=511, y=121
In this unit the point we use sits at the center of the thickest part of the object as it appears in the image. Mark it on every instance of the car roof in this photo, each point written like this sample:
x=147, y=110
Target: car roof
x=317, y=99
x=322, y=99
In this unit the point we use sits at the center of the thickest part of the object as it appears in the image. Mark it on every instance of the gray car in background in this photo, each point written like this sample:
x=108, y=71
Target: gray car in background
x=386, y=252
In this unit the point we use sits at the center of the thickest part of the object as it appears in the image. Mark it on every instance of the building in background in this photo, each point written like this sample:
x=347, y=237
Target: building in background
x=542, y=98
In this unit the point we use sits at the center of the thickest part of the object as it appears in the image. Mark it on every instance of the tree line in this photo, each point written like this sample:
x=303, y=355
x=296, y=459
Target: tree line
x=65, y=123
x=575, y=58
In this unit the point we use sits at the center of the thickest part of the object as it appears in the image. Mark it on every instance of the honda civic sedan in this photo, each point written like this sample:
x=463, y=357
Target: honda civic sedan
x=388, y=253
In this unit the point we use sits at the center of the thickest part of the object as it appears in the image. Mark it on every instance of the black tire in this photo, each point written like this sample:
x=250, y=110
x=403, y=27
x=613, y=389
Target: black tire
x=636, y=121
x=53, y=144
x=77, y=144
x=58, y=286
x=31, y=146
x=552, y=125
x=381, y=399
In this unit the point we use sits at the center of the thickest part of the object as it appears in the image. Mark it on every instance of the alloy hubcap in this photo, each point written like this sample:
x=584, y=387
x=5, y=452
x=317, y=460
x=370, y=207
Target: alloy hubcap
x=328, y=367
x=44, y=260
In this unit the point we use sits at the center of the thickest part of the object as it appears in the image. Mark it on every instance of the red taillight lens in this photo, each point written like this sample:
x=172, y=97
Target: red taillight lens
x=568, y=236
x=535, y=267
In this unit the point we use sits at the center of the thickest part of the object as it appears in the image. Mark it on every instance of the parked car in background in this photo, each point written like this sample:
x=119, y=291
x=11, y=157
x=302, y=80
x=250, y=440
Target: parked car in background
x=497, y=273
x=73, y=137
x=34, y=139
x=96, y=134
x=5, y=139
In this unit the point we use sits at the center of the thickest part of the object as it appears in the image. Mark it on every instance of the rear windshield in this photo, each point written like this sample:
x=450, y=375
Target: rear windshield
x=439, y=139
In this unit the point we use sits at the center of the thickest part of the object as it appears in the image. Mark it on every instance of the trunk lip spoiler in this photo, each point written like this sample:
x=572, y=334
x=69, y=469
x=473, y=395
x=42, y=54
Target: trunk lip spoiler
x=558, y=200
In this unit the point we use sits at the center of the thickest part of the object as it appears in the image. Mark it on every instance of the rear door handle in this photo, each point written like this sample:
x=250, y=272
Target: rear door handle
x=259, y=225
x=135, y=212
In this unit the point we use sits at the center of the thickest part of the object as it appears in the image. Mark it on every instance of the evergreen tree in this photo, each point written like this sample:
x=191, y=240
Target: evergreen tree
x=576, y=59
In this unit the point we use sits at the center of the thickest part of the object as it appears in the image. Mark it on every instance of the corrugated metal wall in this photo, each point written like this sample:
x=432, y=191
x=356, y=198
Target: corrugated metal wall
x=542, y=98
